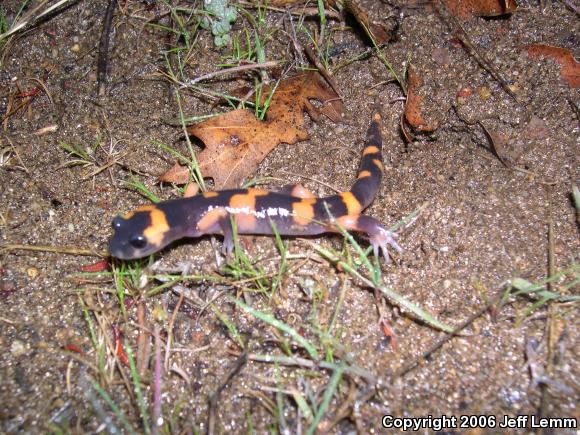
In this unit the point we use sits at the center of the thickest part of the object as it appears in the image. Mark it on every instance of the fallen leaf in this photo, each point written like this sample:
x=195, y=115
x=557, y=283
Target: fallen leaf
x=500, y=143
x=236, y=142
x=413, y=106
x=569, y=67
x=374, y=16
x=536, y=129
x=465, y=9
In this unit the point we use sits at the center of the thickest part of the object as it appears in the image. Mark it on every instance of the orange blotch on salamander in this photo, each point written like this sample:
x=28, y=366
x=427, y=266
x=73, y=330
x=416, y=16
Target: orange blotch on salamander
x=209, y=222
x=303, y=211
x=371, y=149
x=243, y=207
x=156, y=230
x=352, y=204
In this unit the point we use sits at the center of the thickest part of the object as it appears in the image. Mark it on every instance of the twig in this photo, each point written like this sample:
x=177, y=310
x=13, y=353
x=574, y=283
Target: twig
x=312, y=179
x=170, y=328
x=103, y=58
x=25, y=21
x=157, y=420
x=310, y=364
x=468, y=44
x=143, y=342
x=269, y=64
x=213, y=401
x=438, y=344
x=544, y=393
x=54, y=249
x=301, y=11
x=322, y=70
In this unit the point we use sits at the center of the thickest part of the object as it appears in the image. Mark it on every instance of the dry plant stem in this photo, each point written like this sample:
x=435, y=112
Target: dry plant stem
x=143, y=342
x=334, y=189
x=53, y=249
x=304, y=11
x=157, y=382
x=438, y=344
x=43, y=86
x=17, y=154
x=310, y=364
x=250, y=66
x=31, y=19
x=514, y=168
x=545, y=395
x=103, y=58
x=215, y=396
x=105, y=324
x=466, y=40
x=314, y=59
x=170, y=329
x=343, y=411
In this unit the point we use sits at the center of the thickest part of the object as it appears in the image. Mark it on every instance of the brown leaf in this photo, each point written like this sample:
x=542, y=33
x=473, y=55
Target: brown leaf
x=569, y=67
x=413, y=106
x=480, y=8
x=371, y=14
x=236, y=142
x=177, y=174
x=500, y=143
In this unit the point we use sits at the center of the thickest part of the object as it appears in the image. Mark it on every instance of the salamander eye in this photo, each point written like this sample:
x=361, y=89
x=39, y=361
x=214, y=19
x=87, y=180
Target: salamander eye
x=117, y=223
x=138, y=241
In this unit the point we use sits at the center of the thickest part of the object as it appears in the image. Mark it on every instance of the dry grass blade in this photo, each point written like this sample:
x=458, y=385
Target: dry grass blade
x=33, y=17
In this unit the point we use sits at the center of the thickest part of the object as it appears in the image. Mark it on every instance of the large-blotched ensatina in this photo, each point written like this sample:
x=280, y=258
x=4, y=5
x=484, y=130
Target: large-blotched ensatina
x=293, y=212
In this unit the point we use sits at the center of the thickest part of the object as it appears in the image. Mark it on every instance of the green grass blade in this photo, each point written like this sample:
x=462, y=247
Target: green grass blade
x=326, y=399
x=272, y=321
x=137, y=388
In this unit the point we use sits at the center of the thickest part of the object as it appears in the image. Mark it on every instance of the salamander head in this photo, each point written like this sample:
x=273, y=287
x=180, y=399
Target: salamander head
x=140, y=233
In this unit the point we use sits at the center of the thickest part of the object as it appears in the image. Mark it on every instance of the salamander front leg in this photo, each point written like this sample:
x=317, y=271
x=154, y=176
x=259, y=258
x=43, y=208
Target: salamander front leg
x=225, y=224
x=379, y=236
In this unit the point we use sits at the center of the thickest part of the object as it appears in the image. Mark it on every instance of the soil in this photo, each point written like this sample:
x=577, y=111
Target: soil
x=486, y=221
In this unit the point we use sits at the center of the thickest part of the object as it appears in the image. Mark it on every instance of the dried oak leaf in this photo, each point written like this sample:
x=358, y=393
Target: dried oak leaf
x=378, y=18
x=569, y=67
x=480, y=8
x=236, y=142
x=414, y=104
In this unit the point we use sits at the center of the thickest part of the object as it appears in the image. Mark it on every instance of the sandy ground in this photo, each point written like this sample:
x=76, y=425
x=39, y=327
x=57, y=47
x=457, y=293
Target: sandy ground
x=483, y=225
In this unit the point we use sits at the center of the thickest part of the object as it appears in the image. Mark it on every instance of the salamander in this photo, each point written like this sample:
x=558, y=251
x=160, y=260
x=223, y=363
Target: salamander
x=295, y=211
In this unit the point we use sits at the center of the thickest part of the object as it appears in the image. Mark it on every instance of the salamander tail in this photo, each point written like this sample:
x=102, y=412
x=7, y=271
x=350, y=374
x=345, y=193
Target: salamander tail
x=371, y=166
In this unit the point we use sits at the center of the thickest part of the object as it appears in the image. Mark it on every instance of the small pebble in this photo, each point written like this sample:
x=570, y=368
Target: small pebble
x=484, y=93
x=32, y=272
x=75, y=48
x=17, y=348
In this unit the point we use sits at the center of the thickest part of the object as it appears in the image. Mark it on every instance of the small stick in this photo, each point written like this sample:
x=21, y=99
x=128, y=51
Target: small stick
x=157, y=419
x=143, y=342
x=300, y=11
x=462, y=34
x=170, y=328
x=213, y=401
x=103, y=58
x=312, y=179
x=438, y=344
x=322, y=70
x=269, y=64
x=54, y=249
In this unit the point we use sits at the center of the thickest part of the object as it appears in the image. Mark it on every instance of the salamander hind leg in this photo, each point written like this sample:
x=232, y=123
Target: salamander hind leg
x=379, y=236
x=297, y=191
